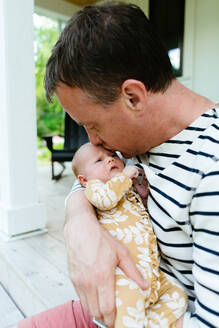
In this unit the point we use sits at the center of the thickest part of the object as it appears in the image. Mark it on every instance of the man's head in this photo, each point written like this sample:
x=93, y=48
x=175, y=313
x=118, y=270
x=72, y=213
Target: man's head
x=94, y=162
x=102, y=46
x=105, y=69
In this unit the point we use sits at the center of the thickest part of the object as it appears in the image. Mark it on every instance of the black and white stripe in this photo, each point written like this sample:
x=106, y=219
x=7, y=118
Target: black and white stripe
x=183, y=174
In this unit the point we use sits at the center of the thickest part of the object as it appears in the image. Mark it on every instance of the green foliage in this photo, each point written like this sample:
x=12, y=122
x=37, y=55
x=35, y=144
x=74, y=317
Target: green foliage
x=50, y=117
x=43, y=153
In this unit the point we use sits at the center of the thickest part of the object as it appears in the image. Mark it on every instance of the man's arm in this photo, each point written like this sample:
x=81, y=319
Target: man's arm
x=204, y=217
x=93, y=255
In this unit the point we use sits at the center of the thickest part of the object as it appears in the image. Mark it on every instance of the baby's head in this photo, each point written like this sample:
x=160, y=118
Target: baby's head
x=94, y=162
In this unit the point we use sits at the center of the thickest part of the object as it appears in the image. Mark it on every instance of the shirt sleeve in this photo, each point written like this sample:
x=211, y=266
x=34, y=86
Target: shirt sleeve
x=204, y=216
x=106, y=196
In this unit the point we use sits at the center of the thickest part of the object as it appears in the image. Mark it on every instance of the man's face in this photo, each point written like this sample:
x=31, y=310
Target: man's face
x=113, y=127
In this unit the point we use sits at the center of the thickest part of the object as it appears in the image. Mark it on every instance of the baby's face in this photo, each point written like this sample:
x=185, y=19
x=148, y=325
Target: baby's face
x=100, y=163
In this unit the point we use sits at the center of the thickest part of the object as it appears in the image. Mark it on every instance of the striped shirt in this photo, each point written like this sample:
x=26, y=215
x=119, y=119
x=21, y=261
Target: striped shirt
x=183, y=203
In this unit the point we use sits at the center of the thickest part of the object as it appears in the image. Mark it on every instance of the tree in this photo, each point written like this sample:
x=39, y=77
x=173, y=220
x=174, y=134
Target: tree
x=50, y=117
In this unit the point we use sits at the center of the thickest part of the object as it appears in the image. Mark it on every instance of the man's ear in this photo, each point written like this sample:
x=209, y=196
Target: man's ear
x=82, y=180
x=134, y=94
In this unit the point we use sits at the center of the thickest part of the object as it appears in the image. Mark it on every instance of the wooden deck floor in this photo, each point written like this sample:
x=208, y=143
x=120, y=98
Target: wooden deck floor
x=10, y=313
x=33, y=271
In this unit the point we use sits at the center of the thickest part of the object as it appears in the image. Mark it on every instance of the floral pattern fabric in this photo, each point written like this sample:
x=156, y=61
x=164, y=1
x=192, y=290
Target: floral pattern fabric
x=121, y=211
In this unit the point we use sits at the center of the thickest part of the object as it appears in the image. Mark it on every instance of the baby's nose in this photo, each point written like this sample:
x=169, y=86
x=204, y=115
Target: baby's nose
x=110, y=159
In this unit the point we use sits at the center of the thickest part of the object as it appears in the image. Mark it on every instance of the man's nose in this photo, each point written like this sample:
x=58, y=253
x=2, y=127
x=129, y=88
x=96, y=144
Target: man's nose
x=94, y=138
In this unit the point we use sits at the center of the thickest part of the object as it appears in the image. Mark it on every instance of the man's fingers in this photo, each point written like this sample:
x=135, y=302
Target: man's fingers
x=96, y=302
x=94, y=309
x=127, y=265
x=82, y=297
x=89, y=300
x=106, y=295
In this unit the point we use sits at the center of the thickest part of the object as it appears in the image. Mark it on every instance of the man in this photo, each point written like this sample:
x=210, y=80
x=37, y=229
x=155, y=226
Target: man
x=111, y=73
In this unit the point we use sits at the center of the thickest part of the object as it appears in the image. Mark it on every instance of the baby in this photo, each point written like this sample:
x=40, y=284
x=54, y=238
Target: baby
x=109, y=187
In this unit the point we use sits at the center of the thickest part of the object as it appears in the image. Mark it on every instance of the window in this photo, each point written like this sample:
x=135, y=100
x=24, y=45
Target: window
x=168, y=18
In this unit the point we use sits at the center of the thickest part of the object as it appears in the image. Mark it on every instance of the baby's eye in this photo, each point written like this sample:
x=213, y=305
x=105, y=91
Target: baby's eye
x=98, y=160
x=114, y=155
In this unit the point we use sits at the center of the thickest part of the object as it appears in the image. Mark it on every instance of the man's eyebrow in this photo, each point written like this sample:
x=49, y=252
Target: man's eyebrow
x=78, y=122
x=88, y=124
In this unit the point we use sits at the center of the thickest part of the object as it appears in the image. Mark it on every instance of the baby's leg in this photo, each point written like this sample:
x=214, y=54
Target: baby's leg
x=69, y=315
x=130, y=303
x=170, y=306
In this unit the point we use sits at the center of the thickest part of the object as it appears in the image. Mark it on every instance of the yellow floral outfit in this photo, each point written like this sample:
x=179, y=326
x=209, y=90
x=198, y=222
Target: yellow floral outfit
x=121, y=211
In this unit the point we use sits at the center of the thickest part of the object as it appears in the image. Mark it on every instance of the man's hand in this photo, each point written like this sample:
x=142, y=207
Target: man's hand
x=93, y=255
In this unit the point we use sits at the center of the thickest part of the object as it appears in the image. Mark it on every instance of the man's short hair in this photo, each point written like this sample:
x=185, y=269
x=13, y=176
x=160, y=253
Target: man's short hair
x=104, y=45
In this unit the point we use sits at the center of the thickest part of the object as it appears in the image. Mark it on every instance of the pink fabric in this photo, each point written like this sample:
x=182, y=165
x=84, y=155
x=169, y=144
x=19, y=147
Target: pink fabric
x=69, y=315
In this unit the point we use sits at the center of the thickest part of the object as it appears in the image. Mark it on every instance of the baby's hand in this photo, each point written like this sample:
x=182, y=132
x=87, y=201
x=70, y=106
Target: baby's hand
x=141, y=185
x=131, y=171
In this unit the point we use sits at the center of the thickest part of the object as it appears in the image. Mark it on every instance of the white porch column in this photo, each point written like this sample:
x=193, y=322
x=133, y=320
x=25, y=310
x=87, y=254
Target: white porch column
x=20, y=211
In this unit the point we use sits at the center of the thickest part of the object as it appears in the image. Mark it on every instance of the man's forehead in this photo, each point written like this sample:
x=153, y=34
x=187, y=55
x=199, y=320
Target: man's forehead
x=86, y=117
x=82, y=119
x=73, y=98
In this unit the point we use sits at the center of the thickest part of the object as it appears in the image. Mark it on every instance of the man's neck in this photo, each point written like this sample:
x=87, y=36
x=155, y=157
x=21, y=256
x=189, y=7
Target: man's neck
x=175, y=109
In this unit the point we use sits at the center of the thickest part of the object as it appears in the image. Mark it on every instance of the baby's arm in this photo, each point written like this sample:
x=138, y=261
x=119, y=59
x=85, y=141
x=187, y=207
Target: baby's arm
x=106, y=196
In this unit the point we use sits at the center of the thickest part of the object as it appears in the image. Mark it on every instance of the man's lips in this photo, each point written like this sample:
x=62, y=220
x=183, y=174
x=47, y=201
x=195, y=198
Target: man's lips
x=126, y=155
x=108, y=148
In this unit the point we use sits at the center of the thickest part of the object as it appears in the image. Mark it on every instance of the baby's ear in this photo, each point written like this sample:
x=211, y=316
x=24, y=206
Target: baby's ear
x=82, y=180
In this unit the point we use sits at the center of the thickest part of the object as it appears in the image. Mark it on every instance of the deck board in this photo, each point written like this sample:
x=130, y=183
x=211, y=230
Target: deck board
x=9, y=312
x=43, y=269
x=34, y=270
x=51, y=249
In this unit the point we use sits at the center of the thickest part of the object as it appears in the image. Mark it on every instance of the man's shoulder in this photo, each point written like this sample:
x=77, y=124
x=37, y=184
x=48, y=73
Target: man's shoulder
x=210, y=138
